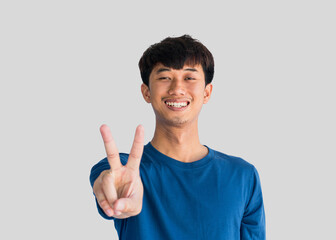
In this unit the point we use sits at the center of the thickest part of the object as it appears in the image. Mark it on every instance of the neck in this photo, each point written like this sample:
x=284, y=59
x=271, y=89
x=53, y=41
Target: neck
x=179, y=142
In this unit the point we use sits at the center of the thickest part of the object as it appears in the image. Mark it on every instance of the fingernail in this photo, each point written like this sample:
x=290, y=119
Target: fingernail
x=117, y=213
x=109, y=212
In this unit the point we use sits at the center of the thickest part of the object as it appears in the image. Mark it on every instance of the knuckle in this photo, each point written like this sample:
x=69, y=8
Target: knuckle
x=134, y=155
x=97, y=187
x=107, y=179
x=104, y=204
x=96, y=191
x=112, y=155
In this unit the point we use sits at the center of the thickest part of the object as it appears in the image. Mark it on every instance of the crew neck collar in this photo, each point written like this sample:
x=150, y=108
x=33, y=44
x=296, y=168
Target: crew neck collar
x=173, y=162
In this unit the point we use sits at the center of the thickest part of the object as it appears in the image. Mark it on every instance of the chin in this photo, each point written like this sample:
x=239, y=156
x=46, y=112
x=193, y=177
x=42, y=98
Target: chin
x=177, y=122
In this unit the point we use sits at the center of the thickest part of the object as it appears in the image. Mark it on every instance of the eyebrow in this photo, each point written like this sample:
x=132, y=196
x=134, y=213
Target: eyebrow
x=160, y=70
x=191, y=69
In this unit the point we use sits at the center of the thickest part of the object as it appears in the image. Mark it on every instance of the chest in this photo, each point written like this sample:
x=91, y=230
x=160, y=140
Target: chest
x=200, y=195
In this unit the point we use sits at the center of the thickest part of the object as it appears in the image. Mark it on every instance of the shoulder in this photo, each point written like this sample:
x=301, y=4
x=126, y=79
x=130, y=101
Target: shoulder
x=233, y=162
x=237, y=169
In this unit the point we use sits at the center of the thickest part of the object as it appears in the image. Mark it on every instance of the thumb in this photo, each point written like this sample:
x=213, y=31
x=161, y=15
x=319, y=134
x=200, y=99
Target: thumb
x=126, y=206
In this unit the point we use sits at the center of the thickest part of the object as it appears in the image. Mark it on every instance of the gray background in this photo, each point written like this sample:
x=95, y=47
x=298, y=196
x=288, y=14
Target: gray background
x=66, y=67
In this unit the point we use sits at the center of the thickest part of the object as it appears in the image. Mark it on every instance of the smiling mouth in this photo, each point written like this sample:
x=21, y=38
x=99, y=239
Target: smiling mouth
x=174, y=104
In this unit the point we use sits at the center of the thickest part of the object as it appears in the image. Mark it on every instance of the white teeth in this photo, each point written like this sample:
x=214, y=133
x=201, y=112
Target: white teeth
x=177, y=104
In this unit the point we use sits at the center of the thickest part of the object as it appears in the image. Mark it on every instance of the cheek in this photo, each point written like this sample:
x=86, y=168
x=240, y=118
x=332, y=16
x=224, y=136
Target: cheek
x=198, y=91
x=157, y=91
x=155, y=95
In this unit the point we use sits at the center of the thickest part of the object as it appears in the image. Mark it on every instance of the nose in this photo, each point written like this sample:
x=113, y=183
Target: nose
x=176, y=87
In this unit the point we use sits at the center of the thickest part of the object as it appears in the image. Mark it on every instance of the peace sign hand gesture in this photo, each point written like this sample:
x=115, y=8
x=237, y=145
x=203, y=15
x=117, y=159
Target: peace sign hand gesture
x=119, y=190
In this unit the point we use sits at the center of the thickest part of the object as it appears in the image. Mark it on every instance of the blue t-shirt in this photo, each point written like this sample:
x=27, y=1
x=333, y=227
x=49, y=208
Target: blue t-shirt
x=217, y=197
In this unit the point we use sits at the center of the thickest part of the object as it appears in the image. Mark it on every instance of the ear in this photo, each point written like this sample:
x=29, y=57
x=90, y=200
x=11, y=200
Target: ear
x=207, y=93
x=145, y=92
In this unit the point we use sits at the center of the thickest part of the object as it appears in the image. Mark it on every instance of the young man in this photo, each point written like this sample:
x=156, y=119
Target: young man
x=174, y=187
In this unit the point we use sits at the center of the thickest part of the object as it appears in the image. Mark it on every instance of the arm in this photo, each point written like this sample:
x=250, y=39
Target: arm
x=253, y=222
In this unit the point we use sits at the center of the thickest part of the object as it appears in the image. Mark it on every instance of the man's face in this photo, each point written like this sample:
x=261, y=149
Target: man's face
x=177, y=96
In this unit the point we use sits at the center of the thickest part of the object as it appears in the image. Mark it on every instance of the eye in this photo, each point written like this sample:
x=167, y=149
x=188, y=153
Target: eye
x=164, y=78
x=190, y=78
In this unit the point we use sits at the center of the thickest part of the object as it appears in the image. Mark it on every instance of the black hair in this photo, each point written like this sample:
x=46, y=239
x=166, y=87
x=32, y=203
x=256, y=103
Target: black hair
x=175, y=52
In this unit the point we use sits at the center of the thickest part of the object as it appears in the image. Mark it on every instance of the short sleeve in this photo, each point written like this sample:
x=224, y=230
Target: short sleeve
x=253, y=222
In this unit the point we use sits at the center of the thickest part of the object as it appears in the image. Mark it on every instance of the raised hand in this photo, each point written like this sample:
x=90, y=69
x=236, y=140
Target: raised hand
x=119, y=191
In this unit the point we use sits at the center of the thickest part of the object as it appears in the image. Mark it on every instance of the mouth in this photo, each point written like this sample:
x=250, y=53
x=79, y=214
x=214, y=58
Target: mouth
x=177, y=104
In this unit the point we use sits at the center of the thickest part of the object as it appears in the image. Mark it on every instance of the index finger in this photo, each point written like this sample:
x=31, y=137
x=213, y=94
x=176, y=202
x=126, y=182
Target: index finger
x=137, y=148
x=110, y=147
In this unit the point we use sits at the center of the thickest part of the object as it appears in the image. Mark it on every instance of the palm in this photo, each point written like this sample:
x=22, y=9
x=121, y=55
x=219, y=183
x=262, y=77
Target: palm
x=125, y=182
